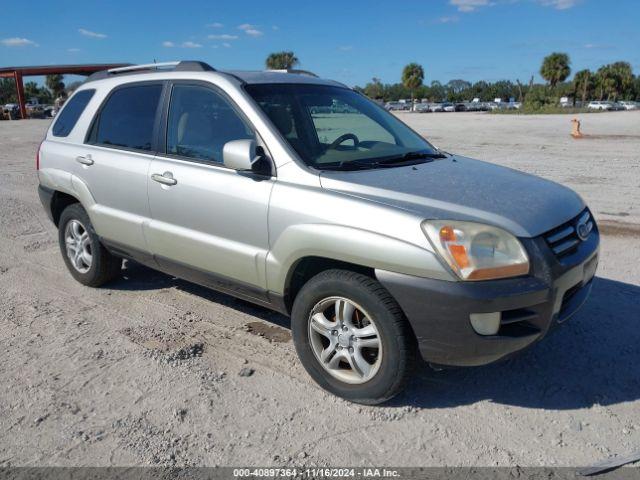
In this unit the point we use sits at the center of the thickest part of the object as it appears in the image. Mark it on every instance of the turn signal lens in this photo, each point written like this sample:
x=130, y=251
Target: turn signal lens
x=476, y=251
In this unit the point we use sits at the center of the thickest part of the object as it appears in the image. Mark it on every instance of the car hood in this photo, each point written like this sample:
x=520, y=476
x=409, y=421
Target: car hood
x=459, y=188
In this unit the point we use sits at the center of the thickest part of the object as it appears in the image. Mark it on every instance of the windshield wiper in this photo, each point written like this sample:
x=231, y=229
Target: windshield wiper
x=346, y=165
x=410, y=158
x=414, y=155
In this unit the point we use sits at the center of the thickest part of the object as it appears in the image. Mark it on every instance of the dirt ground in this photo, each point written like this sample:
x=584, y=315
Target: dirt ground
x=148, y=370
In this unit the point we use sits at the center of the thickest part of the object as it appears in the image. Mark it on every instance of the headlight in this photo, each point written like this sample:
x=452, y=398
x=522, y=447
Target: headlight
x=475, y=251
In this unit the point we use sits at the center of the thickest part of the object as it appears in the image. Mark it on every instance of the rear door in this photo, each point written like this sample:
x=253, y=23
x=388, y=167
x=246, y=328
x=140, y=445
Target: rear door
x=115, y=159
x=206, y=217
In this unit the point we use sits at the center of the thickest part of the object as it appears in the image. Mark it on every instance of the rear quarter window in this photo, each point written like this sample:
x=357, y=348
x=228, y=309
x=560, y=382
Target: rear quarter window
x=71, y=113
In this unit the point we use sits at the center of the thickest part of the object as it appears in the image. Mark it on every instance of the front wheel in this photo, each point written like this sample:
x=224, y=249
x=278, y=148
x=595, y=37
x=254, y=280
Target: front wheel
x=352, y=337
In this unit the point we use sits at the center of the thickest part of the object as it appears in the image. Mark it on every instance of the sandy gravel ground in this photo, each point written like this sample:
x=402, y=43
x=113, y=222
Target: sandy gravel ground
x=147, y=371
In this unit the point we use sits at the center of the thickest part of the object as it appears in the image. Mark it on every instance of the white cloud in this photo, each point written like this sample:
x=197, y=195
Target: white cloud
x=224, y=36
x=345, y=48
x=467, y=6
x=215, y=25
x=226, y=45
x=598, y=46
x=191, y=45
x=250, y=30
x=560, y=4
x=18, y=42
x=447, y=19
x=73, y=50
x=168, y=44
x=89, y=33
x=275, y=27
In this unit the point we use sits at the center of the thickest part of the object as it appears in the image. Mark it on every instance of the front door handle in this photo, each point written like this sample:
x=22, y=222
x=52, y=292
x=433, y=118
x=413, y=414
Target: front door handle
x=165, y=179
x=87, y=160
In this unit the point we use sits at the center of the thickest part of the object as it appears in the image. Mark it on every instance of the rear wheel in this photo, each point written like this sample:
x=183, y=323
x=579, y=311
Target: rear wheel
x=352, y=337
x=83, y=254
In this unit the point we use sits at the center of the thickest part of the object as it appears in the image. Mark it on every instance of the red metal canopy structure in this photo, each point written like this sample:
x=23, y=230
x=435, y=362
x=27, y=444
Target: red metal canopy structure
x=18, y=72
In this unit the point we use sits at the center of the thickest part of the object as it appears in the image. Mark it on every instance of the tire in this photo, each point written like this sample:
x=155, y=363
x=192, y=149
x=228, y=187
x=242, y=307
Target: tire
x=94, y=269
x=389, y=364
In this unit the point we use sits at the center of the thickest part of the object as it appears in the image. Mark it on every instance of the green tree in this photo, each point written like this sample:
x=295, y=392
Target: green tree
x=614, y=81
x=374, y=89
x=555, y=68
x=412, y=77
x=31, y=90
x=73, y=86
x=436, y=91
x=456, y=89
x=8, y=91
x=55, y=84
x=539, y=97
x=281, y=60
x=623, y=75
x=582, y=84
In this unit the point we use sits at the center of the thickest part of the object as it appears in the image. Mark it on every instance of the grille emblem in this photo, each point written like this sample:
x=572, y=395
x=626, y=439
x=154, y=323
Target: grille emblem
x=583, y=229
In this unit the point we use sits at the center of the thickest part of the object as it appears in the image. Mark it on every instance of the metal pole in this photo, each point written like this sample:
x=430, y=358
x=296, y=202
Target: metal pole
x=20, y=91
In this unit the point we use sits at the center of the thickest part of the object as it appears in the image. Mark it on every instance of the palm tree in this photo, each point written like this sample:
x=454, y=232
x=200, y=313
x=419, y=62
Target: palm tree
x=614, y=80
x=412, y=77
x=55, y=84
x=555, y=68
x=582, y=83
x=624, y=78
x=281, y=60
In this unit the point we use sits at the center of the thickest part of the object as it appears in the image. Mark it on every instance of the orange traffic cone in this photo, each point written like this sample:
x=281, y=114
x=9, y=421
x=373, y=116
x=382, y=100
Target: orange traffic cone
x=575, y=128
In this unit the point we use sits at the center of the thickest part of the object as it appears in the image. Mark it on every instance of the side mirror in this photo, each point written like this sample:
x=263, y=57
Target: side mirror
x=240, y=154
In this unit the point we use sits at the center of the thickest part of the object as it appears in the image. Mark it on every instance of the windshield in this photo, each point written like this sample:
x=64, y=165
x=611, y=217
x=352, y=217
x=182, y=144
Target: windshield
x=334, y=127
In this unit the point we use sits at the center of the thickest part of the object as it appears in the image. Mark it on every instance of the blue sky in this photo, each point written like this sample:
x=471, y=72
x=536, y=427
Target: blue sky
x=350, y=41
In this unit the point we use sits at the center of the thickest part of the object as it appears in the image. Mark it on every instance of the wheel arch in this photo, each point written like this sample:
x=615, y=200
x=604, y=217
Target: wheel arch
x=65, y=189
x=60, y=201
x=315, y=247
x=305, y=268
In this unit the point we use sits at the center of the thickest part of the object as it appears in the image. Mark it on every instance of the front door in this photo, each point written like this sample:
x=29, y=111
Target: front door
x=204, y=216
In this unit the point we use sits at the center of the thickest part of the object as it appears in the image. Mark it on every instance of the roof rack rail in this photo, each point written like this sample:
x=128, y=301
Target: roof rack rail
x=178, y=66
x=294, y=70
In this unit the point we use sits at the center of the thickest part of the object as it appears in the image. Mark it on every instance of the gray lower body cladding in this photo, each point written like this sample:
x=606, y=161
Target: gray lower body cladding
x=439, y=311
x=46, y=198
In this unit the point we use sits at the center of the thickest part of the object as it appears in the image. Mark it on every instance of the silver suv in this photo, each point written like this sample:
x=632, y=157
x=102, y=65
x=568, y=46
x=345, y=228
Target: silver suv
x=301, y=195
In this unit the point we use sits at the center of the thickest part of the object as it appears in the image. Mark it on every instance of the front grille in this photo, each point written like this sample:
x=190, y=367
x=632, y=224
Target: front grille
x=564, y=240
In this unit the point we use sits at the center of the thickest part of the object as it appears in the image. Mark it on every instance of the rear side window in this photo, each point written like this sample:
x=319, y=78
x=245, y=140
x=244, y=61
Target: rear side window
x=71, y=113
x=127, y=118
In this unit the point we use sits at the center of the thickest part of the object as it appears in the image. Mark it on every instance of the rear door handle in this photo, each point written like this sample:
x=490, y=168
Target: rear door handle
x=87, y=160
x=165, y=179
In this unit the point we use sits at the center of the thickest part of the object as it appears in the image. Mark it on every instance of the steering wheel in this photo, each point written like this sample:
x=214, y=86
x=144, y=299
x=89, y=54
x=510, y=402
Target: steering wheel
x=344, y=138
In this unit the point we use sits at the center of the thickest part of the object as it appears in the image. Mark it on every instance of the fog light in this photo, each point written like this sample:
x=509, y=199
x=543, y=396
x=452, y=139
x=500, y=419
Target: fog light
x=486, y=323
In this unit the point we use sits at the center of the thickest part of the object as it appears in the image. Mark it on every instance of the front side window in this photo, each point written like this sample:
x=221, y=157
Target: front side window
x=127, y=118
x=200, y=122
x=334, y=127
x=71, y=113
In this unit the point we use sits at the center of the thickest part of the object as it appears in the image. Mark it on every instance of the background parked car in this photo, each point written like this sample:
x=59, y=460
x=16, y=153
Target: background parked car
x=422, y=108
x=391, y=106
x=599, y=105
x=628, y=105
x=448, y=107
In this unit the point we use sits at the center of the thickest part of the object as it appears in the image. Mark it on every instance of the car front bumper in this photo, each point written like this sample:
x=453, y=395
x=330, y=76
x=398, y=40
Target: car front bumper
x=439, y=311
